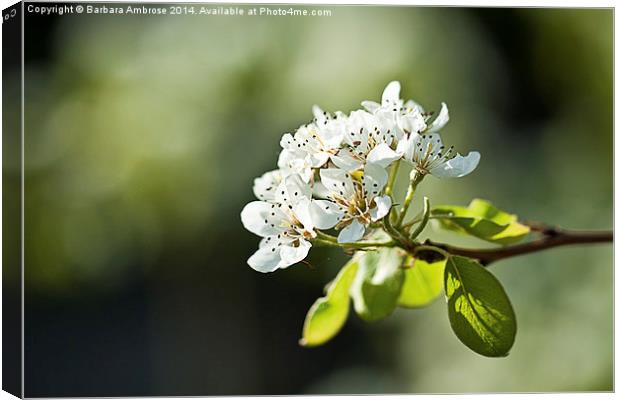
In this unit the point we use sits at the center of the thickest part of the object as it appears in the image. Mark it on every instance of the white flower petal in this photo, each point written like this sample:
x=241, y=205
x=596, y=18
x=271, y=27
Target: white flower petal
x=406, y=146
x=292, y=255
x=295, y=184
x=319, y=190
x=318, y=159
x=426, y=149
x=325, y=214
x=352, y=233
x=293, y=189
x=287, y=141
x=337, y=182
x=330, y=131
x=410, y=104
x=387, y=125
x=307, y=174
x=357, y=117
x=391, y=93
x=266, y=185
x=302, y=213
x=332, y=138
x=319, y=114
x=358, y=120
x=295, y=162
x=375, y=178
x=345, y=161
x=412, y=122
x=441, y=120
x=275, y=241
x=382, y=155
x=286, y=158
x=340, y=115
x=458, y=166
x=262, y=218
x=265, y=259
x=371, y=106
x=382, y=209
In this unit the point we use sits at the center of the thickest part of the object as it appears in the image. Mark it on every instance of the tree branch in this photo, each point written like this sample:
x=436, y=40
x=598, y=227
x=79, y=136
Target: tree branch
x=551, y=237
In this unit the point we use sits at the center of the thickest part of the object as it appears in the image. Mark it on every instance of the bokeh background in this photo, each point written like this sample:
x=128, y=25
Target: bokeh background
x=143, y=136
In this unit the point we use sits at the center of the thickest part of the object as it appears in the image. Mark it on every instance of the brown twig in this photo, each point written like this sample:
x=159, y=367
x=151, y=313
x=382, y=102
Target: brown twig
x=551, y=237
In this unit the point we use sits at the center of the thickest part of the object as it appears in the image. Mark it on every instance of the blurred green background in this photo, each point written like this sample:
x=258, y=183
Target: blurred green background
x=143, y=136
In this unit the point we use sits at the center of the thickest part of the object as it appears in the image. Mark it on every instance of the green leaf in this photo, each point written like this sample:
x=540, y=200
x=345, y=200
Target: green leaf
x=482, y=220
x=377, y=286
x=328, y=314
x=480, y=313
x=423, y=283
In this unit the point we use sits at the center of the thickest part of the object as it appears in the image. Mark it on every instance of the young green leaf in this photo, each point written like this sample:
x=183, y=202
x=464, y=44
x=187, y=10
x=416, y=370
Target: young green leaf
x=377, y=286
x=423, y=283
x=482, y=220
x=480, y=313
x=328, y=314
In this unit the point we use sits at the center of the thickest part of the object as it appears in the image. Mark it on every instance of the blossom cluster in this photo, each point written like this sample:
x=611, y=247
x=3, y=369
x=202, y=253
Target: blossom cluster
x=332, y=174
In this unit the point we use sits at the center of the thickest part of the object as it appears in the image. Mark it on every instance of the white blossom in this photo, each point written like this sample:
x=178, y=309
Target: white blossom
x=296, y=162
x=284, y=223
x=408, y=116
x=369, y=138
x=440, y=121
x=266, y=185
x=429, y=156
x=355, y=201
x=341, y=160
x=312, y=145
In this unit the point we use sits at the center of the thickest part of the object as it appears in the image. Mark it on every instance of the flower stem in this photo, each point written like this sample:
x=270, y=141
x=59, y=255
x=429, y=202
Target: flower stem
x=363, y=245
x=389, y=189
x=425, y=217
x=392, y=178
x=325, y=236
x=356, y=245
x=389, y=228
x=396, y=234
x=413, y=184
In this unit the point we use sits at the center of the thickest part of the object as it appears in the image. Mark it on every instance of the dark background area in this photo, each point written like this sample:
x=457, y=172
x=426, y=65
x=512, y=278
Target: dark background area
x=135, y=254
x=12, y=333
